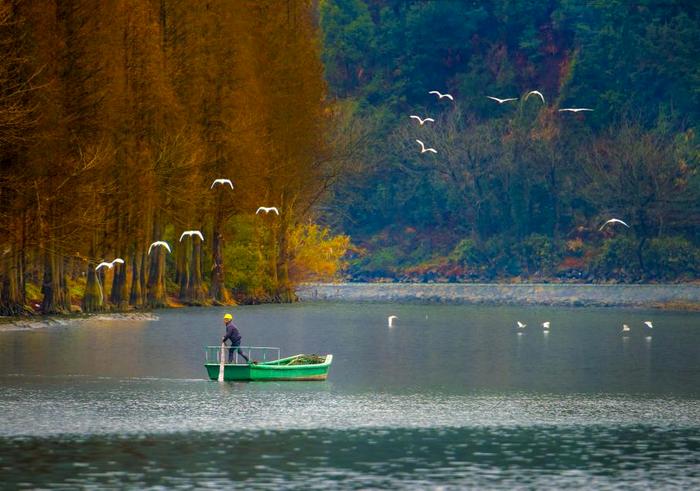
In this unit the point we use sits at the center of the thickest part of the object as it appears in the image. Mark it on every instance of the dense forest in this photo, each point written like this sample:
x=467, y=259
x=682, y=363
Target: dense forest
x=116, y=117
x=519, y=190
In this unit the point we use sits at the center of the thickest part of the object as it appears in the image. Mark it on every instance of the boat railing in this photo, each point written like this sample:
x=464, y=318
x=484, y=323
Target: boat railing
x=262, y=353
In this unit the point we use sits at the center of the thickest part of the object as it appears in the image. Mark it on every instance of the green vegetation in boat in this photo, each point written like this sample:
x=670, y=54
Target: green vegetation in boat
x=297, y=367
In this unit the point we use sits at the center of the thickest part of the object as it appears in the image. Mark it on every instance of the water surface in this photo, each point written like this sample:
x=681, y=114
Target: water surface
x=452, y=396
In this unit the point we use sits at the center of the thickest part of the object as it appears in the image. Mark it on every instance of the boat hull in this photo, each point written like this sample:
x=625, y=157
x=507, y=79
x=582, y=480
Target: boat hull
x=271, y=371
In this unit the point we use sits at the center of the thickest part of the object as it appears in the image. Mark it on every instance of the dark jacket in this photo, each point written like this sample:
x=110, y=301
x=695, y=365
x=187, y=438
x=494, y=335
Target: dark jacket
x=232, y=334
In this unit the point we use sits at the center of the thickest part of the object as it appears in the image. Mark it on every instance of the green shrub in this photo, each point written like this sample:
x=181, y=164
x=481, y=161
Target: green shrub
x=539, y=253
x=467, y=253
x=381, y=262
x=499, y=257
x=671, y=257
x=617, y=259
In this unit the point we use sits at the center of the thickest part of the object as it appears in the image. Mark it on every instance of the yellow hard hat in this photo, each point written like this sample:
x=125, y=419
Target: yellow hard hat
x=228, y=317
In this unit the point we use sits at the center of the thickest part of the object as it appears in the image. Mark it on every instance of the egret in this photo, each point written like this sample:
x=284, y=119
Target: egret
x=391, y=320
x=110, y=265
x=501, y=101
x=190, y=233
x=422, y=121
x=574, y=109
x=268, y=209
x=613, y=220
x=159, y=243
x=521, y=325
x=649, y=324
x=222, y=182
x=423, y=149
x=441, y=96
x=535, y=92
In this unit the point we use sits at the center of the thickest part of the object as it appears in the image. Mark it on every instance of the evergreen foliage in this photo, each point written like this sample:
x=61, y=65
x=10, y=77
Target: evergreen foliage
x=520, y=188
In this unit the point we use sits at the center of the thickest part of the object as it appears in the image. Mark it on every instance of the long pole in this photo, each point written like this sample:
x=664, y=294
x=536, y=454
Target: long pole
x=221, y=363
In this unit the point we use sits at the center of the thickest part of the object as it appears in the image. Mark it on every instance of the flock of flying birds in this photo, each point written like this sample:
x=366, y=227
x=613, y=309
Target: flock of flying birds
x=187, y=233
x=439, y=95
x=424, y=149
x=545, y=325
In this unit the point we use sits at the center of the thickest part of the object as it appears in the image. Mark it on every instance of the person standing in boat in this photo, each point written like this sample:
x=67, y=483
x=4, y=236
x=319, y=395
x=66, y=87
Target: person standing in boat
x=234, y=335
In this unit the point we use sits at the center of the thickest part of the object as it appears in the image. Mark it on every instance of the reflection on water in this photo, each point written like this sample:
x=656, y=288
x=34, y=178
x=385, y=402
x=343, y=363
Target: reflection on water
x=460, y=399
x=494, y=457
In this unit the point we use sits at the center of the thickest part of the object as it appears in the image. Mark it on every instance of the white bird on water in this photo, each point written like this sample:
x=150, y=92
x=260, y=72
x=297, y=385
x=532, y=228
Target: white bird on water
x=501, y=101
x=268, y=209
x=574, y=109
x=391, y=320
x=535, y=92
x=649, y=324
x=160, y=243
x=625, y=328
x=545, y=326
x=423, y=149
x=613, y=220
x=521, y=325
x=110, y=265
x=441, y=96
x=222, y=182
x=190, y=233
x=422, y=121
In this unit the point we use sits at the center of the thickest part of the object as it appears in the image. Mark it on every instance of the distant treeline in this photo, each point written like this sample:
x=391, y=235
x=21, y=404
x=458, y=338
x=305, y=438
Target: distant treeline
x=520, y=188
x=116, y=117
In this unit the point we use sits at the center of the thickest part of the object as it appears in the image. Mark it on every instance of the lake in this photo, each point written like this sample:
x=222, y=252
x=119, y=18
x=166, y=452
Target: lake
x=452, y=396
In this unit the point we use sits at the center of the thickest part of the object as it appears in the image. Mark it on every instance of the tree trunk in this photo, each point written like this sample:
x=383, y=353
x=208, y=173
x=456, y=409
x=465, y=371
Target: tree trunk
x=274, y=253
x=135, y=296
x=196, y=293
x=11, y=288
x=120, y=290
x=157, y=295
x=93, y=300
x=285, y=292
x=182, y=271
x=53, y=287
x=219, y=293
x=143, y=279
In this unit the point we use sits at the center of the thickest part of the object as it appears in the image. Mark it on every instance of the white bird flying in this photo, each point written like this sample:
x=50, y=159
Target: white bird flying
x=625, y=328
x=423, y=149
x=536, y=92
x=440, y=96
x=574, y=109
x=110, y=265
x=391, y=320
x=190, y=233
x=501, y=101
x=521, y=325
x=649, y=324
x=267, y=209
x=159, y=243
x=221, y=181
x=422, y=121
x=613, y=220
x=545, y=325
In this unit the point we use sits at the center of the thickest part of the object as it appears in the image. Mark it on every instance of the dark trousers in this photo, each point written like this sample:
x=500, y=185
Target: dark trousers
x=233, y=349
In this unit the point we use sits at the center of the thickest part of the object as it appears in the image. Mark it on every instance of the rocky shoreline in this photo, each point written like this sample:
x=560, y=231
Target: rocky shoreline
x=664, y=296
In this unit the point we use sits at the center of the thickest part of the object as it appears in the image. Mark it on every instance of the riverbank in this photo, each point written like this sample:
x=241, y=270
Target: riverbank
x=667, y=296
x=29, y=323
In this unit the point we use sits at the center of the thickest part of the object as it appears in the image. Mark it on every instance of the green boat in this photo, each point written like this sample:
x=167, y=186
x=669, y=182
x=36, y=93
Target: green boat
x=297, y=367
